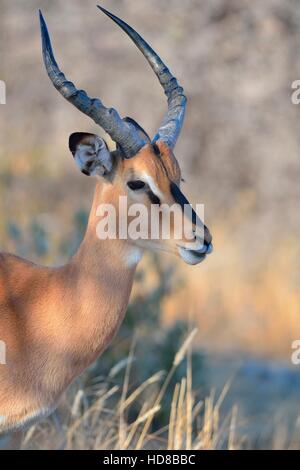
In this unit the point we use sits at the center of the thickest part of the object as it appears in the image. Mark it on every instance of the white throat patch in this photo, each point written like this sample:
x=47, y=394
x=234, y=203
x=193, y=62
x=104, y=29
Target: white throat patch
x=133, y=256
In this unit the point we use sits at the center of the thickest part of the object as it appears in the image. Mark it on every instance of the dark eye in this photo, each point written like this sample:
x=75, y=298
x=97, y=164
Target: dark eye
x=135, y=185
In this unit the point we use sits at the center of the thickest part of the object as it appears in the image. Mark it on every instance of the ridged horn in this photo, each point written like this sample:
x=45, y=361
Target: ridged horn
x=173, y=120
x=108, y=118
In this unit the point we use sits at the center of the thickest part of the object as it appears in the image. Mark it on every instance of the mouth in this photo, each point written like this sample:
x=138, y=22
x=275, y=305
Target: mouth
x=194, y=256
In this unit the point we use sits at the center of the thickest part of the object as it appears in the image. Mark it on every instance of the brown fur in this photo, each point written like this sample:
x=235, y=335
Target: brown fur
x=57, y=321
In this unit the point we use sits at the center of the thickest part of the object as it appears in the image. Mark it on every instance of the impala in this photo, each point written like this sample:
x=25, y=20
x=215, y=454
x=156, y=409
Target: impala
x=56, y=321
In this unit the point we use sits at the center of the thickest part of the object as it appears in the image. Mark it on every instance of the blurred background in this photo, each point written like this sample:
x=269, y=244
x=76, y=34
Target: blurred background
x=239, y=153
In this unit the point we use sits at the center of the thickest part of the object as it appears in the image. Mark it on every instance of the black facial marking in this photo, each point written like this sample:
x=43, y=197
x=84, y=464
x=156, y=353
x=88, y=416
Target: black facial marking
x=156, y=150
x=153, y=198
x=182, y=200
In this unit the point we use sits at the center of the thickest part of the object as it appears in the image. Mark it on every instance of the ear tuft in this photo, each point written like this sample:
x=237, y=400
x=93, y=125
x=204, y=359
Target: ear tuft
x=91, y=154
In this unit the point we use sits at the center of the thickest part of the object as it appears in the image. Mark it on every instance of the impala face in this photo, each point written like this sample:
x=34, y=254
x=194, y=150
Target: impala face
x=150, y=179
x=142, y=169
x=154, y=177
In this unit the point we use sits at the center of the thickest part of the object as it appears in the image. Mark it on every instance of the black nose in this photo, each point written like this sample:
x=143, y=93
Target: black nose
x=207, y=236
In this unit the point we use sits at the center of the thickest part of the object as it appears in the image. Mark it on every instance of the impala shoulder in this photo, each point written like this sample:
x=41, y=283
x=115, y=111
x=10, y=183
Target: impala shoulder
x=16, y=273
x=9, y=264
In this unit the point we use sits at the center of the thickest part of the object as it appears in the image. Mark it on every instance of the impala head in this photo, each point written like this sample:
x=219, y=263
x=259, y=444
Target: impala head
x=142, y=169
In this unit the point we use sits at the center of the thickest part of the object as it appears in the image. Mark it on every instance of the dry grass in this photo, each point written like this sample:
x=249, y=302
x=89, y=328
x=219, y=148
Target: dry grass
x=239, y=152
x=102, y=422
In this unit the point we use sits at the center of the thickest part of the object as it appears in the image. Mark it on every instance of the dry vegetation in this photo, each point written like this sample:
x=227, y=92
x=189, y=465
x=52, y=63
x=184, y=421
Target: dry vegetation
x=240, y=156
x=192, y=425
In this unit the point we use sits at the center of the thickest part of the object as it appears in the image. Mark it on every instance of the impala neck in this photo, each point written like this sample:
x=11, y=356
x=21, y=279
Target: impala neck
x=100, y=277
x=115, y=256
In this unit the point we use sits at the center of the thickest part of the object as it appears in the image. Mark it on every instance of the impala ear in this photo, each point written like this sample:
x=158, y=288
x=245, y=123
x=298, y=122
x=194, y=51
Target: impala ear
x=91, y=154
x=143, y=134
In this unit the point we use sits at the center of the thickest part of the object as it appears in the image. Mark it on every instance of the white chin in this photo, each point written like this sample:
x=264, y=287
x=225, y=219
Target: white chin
x=191, y=257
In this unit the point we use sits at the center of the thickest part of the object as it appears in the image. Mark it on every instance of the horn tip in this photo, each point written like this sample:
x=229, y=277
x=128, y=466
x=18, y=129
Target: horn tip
x=41, y=16
x=42, y=21
x=46, y=42
x=101, y=8
x=107, y=13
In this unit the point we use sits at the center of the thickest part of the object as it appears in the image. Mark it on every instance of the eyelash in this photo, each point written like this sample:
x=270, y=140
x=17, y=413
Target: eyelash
x=135, y=185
